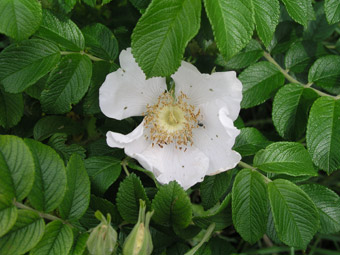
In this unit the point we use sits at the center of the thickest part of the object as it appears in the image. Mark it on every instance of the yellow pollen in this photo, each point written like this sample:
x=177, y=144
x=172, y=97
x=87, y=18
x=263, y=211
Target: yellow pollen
x=171, y=120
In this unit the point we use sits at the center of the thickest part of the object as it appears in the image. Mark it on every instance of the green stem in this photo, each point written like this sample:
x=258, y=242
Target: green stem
x=245, y=165
x=41, y=214
x=204, y=239
x=292, y=79
x=284, y=72
x=292, y=251
x=332, y=47
x=124, y=165
x=82, y=53
x=312, y=250
x=92, y=57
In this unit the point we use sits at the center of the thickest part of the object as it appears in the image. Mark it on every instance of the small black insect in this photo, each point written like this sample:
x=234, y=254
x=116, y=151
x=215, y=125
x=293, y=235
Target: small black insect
x=200, y=124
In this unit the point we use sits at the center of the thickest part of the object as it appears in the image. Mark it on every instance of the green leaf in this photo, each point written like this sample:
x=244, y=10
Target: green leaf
x=61, y=30
x=58, y=142
x=50, y=177
x=323, y=133
x=250, y=141
x=88, y=220
x=105, y=207
x=286, y=33
x=49, y=125
x=100, y=41
x=79, y=244
x=77, y=196
x=129, y=193
x=217, y=246
x=319, y=29
x=326, y=74
x=249, y=205
x=332, y=10
x=8, y=215
x=267, y=14
x=91, y=3
x=260, y=81
x=91, y=100
x=67, y=5
x=271, y=231
x=248, y=56
x=328, y=204
x=285, y=158
x=103, y=171
x=290, y=110
x=213, y=187
x=162, y=33
x=219, y=214
x=299, y=10
x=16, y=167
x=23, y=64
x=140, y=4
x=36, y=89
x=19, y=18
x=187, y=233
x=11, y=109
x=24, y=235
x=99, y=147
x=295, y=215
x=172, y=206
x=67, y=84
x=57, y=239
x=302, y=54
x=232, y=22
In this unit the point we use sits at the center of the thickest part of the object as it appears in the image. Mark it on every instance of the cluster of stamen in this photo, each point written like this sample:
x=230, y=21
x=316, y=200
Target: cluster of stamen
x=171, y=120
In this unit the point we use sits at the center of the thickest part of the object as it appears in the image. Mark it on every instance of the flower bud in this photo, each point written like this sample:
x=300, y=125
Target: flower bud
x=103, y=238
x=139, y=241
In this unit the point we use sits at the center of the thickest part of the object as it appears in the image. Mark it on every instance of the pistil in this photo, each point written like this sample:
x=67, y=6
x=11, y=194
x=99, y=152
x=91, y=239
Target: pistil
x=171, y=120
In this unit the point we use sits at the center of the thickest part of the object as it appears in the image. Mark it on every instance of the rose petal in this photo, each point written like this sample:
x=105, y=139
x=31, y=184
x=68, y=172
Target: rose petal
x=216, y=138
x=169, y=164
x=204, y=88
x=133, y=142
x=126, y=92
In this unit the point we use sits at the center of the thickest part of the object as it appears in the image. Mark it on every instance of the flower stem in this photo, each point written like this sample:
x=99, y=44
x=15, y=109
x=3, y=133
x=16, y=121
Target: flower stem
x=204, y=239
x=124, y=164
x=292, y=79
x=41, y=214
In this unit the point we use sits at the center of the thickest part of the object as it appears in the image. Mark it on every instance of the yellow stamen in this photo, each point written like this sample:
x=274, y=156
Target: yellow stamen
x=171, y=120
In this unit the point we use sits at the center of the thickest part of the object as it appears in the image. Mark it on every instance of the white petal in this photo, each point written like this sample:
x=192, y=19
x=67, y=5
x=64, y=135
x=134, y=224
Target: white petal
x=133, y=142
x=216, y=138
x=204, y=88
x=169, y=164
x=126, y=92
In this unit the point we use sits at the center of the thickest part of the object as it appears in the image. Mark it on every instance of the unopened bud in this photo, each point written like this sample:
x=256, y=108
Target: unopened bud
x=103, y=238
x=139, y=241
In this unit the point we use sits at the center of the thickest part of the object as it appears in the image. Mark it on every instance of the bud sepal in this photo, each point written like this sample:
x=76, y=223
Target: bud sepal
x=139, y=241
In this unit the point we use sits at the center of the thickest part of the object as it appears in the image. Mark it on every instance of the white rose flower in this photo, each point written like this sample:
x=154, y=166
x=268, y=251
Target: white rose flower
x=185, y=134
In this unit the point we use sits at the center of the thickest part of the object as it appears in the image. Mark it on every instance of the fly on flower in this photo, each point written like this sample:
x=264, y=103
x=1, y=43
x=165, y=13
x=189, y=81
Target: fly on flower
x=187, y=132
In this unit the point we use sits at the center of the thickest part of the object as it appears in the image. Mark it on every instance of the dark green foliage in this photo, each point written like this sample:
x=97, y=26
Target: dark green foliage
x=57, y=170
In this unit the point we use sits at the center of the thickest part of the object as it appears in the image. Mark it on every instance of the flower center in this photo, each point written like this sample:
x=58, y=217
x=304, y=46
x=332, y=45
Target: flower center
x=171, y=120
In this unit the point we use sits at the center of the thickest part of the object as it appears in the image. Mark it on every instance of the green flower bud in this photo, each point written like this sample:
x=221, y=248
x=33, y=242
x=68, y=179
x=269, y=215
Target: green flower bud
x=139, y=241
x=103, y=238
